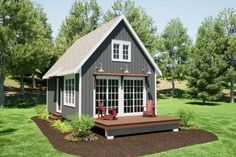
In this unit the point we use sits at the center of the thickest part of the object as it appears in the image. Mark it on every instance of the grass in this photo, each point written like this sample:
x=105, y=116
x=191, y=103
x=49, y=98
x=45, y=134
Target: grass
x=19, y=136
x=218, y=118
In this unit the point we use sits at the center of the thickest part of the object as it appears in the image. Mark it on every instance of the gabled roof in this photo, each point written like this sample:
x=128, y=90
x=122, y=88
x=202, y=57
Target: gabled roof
x=74, y=58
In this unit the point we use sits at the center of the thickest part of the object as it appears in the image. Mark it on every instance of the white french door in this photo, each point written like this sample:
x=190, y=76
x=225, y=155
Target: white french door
x=127, y=95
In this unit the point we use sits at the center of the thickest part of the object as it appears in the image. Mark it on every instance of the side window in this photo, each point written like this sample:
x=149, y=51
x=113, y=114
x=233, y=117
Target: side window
x=69, y=91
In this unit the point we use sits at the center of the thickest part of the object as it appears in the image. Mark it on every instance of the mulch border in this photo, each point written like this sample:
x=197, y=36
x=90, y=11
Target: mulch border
x=125, y=146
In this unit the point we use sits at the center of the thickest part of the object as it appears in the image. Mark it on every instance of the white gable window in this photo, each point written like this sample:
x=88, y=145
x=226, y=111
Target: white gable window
x=69, y=91
x=121, y=51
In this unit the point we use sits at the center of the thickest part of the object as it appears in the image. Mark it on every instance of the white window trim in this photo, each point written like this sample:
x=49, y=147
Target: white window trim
x=69, y=77
x=121, y=43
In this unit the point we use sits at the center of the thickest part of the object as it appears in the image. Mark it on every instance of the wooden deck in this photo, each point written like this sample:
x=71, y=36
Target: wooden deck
x=137, y=124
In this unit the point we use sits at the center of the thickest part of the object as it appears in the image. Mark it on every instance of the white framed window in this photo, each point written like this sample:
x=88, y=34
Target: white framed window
x=121, y=51
x=69, y=90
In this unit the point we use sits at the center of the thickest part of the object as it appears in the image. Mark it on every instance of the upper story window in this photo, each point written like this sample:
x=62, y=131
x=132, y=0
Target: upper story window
x=69, y=92
x=121, y=51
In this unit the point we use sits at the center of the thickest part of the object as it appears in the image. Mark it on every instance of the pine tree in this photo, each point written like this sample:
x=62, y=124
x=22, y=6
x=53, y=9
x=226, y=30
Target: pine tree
x=217, y=35
x=204, y=76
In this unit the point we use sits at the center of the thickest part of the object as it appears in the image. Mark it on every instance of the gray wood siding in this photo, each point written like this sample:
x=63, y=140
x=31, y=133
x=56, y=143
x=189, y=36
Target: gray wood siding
x=51, y=97
x=66, y=110
x=103, y=55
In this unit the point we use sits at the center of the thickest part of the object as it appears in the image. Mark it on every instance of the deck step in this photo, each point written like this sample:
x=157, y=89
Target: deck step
x=57, y=114
x=54, y=116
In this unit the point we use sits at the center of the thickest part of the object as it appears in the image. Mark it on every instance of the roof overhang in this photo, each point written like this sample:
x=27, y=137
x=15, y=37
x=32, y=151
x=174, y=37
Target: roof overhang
x=122, y=17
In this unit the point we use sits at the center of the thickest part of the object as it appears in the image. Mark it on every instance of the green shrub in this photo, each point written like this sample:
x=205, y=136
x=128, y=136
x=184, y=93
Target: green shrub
x=40, y=110
x=82, y=123
x=63, y=127
x=185, y=116
x=81, y=136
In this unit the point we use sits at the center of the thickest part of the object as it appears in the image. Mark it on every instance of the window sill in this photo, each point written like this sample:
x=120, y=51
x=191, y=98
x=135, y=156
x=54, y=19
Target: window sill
x=69, y=105
x=117, y=60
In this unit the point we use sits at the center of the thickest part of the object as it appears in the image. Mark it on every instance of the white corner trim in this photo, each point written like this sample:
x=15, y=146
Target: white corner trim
x=47, y=97
x=155, y=88
x=122, y=17
x=80, y=91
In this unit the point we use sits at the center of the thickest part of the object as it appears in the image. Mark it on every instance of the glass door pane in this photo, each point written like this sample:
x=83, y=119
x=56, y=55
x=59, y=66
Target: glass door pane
x=133, y=95
x=107, y=92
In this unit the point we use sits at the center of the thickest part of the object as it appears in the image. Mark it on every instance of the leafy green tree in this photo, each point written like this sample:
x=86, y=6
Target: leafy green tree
x=204, y=79
x=139, y=20
x=83, y=18
x=174, y=49
x=8, y=10
x=21, y=26
x=31, y=49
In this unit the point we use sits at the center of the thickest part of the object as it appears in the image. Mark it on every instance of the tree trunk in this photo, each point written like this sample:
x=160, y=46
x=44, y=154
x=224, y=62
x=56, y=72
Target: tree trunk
x=173, y=87
x=22, y=89
x=232, y=90
x=33, y=81
x=2, y=95
x=203, y=100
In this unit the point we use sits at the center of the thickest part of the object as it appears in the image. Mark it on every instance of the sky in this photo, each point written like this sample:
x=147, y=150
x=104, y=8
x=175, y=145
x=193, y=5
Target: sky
x=190, y=12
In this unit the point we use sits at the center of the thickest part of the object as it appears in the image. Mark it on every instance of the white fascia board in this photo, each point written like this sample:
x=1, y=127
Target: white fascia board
x=76, y=70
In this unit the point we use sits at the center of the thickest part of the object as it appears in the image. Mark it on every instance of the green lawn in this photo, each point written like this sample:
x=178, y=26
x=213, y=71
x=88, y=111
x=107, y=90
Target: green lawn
x=19, y=136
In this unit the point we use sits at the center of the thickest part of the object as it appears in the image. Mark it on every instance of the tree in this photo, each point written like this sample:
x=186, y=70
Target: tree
x=139, y=20
x=204, y=79
x=21, y=26
x=218, y=36
x=227, y=24
x=31, y=48
x=173, y=51
x=83, y=18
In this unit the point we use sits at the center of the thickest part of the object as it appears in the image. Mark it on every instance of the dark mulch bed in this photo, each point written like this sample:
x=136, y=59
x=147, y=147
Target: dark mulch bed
x=124, y=146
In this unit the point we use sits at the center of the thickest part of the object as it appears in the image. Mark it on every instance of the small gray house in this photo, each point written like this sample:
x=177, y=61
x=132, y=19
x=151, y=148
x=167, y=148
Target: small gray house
x=109, y=64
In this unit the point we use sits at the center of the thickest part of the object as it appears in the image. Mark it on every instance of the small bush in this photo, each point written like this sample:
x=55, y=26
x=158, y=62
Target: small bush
x=81, y=136
x=185, y=116
x=63, y=127
x=81, y=124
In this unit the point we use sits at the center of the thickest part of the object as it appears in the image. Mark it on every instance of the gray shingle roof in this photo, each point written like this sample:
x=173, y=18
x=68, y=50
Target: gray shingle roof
x=73, y=59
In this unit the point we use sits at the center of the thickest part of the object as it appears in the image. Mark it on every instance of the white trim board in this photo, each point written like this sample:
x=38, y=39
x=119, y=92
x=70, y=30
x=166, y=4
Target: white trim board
x=80, y=92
